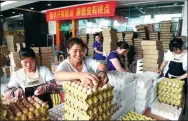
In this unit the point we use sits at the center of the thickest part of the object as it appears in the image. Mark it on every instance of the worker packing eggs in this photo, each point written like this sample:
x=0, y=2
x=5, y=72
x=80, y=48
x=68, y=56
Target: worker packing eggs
x=88, y=102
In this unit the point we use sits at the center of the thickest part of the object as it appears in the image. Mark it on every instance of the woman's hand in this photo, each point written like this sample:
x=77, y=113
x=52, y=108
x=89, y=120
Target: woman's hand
x=40, y=90
x=159, y=71
x=19, y=93
x=88, y=79
x=103, y=78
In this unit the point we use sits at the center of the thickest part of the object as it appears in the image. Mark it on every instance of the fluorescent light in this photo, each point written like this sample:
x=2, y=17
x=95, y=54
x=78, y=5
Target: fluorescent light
x=32, y=8
x=7, y=2
x=13, y=12
x=1, y=15
x=49, y=4
x=141, y=8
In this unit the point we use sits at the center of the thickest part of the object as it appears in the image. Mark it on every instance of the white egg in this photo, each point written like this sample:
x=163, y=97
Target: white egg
x=89, y=92
x=84, y=90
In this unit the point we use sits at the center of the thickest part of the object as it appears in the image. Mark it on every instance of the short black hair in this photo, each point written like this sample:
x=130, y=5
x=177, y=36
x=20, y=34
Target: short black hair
x=97, y=34
x=175, y=43
x=26, y=52
x=75, y=40
x=123, y=45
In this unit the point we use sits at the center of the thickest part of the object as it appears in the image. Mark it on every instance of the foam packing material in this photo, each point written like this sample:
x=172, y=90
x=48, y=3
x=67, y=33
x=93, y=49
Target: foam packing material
x=164, y=110
x=135, y=116
x=83, y=103
x=170, y=91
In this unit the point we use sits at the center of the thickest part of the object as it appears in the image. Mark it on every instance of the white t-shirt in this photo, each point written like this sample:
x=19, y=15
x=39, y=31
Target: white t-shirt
x=89, y=65
x=18, y=77
x=170, y=56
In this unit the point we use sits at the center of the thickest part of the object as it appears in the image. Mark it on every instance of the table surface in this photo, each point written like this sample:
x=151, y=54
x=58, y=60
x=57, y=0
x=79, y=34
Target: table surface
x=153, y=116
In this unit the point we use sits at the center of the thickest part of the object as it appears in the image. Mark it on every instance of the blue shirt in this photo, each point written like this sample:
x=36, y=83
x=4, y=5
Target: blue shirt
x=99, y=47
x=112, y=55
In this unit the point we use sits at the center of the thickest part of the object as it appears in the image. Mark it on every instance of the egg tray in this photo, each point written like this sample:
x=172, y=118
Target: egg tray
x=135, y=116
x=172, y=82
x=72, y=114
x=92, y=111
x=173, y=95
x=85, y=93
x=23, y=109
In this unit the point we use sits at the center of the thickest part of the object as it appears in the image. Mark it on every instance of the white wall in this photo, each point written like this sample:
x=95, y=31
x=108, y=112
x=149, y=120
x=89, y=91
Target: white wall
x=184, y=27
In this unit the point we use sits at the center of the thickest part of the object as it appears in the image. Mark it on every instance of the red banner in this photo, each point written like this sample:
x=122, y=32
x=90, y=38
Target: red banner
x=93, y=10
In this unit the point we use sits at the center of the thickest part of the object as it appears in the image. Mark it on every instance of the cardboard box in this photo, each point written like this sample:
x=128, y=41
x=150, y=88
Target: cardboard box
x=148, y=42
x=152, y=47
x=153, y=56
x=152, y=61
x=153, y=52
x=150, y=69
x=151, y=65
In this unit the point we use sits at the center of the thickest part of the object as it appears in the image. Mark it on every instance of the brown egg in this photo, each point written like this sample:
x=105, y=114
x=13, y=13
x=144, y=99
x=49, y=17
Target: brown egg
x=25, y=110
x=31, y=108
x=32, y=101
x=33, y=96
x=10, y=117
x=36, y=99
x=18, y=113
x=29, y=98
x=40, y=101
x=37, y=106
x=44, y=104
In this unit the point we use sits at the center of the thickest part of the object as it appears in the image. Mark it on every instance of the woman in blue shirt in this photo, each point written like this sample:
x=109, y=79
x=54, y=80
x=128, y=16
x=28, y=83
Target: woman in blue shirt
x=113, y=59
x=98, y=48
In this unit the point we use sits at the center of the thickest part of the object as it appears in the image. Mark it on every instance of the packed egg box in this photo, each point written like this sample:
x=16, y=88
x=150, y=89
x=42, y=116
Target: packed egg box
x=56, y=112
x=170, y=91
x=135, y=116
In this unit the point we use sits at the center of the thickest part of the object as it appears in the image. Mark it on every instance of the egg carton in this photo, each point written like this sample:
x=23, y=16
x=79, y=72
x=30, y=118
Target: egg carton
x=56, y=112
x=135, y=116
x=141, y=105
x=84, y=93
x=90, y=115
x=144, y=81
x=164, y=110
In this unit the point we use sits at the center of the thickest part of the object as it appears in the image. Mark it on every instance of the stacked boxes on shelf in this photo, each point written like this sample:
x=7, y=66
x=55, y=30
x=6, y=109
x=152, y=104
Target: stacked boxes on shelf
x=6, y=71
x=3, y=55
x=120, y=36
x=12, y=40
x=90, y=45
x=37, y=54
x=109, y=39
x=15, y=63
x=129, y=37
x=46, y=56
x=84, y=37
x=20, y=45
x=153, y=55
x=86, y=103
x=154, y=36
x=138, y=49
x=141, y=31
x=166, y=35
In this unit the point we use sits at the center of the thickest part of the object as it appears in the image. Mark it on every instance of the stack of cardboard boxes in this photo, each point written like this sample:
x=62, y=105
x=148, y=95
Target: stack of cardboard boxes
x=138, y=49
x=46, y=56
x=37, y=54
x=141, y=31
x=129, y=37
x=166, y=35
x=6, y=71
x=15, y=63
x=154, y=36
x=120, y=36
x=3, y=55
x=152, y=55
x=12, y=40
x=83, y=37
x=109, y=39
x=90, y=45
x=19, y=46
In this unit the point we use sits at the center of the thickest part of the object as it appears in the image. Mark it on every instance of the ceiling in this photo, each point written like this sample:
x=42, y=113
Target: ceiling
x=123, y=6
